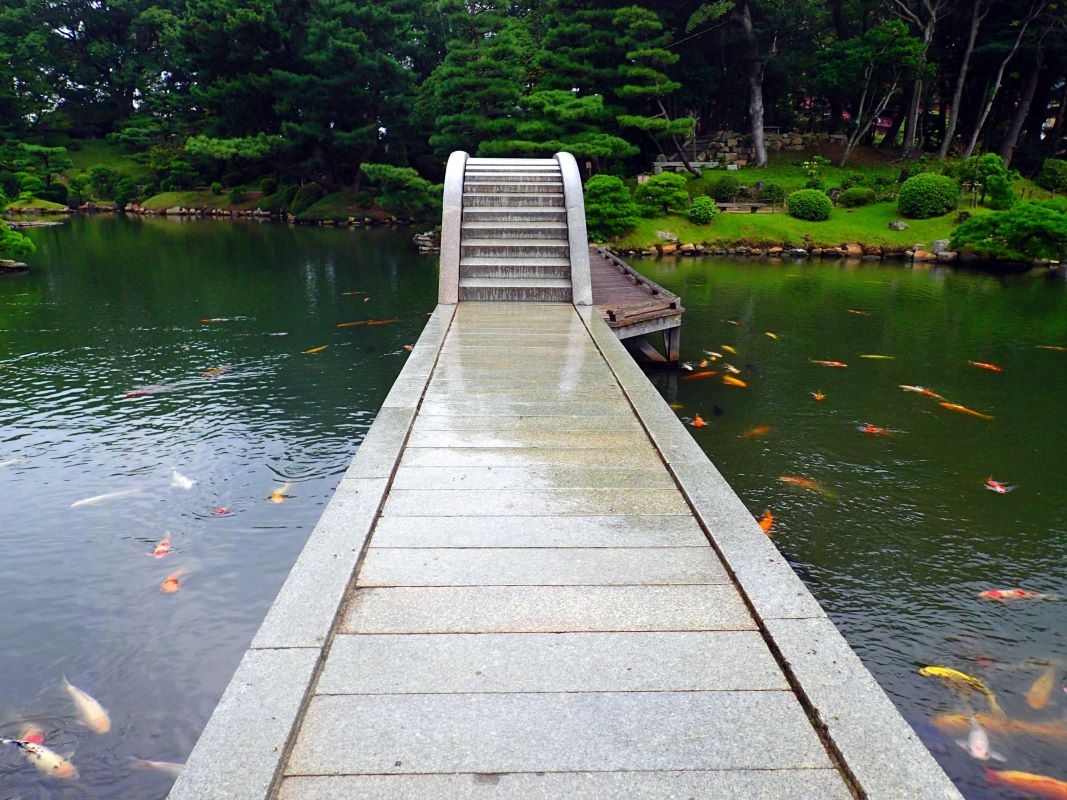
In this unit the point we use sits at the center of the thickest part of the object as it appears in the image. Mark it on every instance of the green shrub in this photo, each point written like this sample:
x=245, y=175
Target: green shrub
x=772, y=193
x=280, y=200
x=809, y=204
x=305, y=197
x=1001, y=195
x=56, y=193
x=816, y=184
x=1025, y=231
x=927, y=195
x=29, y=184
x=231, y=179
x=103, y=179
x=216, y=187
x=10, y=185
x=126, y=192
x=268, y=186
x=236, y=196
x=662, y=194
x=856, y=196
x=1053, y=175
x=403, y=192
x=609, y=208
x=182, y=175
x=725, y=189
x=702, y=211
x=853, y=179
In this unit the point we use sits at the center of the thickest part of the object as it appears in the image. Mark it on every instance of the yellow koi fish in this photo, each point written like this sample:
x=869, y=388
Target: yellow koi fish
x=770, y=335
x=965, y=410
x=961, y=681
x=318, y=349
x=729, y=349
x=1037, y=696
x=282, y=494
x=876, y=355
x=730, y=380
x=91, y=714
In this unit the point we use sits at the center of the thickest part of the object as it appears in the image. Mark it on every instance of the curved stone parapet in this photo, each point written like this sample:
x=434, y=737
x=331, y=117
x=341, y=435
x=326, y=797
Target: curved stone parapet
x=451, y=220
x=581, y=287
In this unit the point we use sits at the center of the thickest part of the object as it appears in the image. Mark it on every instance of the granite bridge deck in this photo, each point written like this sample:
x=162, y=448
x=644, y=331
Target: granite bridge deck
x=532, y=583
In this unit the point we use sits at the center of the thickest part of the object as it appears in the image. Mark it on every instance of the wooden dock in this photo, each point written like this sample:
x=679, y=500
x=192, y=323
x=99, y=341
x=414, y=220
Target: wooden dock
x=532, y=583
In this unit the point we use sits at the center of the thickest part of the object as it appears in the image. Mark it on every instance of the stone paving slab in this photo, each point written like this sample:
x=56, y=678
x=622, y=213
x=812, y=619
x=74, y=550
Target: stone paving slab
x=481, y=408
x=554, y=732
x=531, y=478
x=545, y=609
x=793, y=784
x=549, y=662
x=526, y=457
x=646, y=530
x=540, y=567
x=493, y=423
x=533, y=502
x=577, y=439
x=531, y=394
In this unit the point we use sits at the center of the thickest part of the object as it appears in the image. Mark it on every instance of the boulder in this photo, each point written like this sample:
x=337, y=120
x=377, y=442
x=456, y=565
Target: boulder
x=798, y=252
x=853, y=250
x=872, y=250
x=833, y=252
x=939, y=245
x=668, y=249
x=898, y=225
x=732, y=167
x=755, y=251
x=687, y=248
x=667, y=236
x=175, y=211
x=947, y=256
x=816, y=251
x=775, y=251
x=924, y=255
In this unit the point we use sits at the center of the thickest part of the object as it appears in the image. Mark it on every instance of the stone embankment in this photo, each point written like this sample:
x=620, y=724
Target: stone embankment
x=936, y=252
x=733, y=147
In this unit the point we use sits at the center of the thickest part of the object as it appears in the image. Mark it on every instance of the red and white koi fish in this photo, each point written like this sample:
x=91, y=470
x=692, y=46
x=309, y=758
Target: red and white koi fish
x=828, y=363
x=817, y=395
x=47, y=761
x=697, y=375
x=163, y=547
x=983, y=365
x=874, y=430
x=997, y=486
x=1014, y=594
x=90, y=713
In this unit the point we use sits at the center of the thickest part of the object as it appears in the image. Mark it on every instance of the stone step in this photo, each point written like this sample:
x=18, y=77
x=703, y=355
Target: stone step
x=517, y=248
x=514, y=230
x=511, y=199
x=480, y=178
x=501, y=186
x=515, y=294
x=493, y=269
x=513, y=214
x=515, y=162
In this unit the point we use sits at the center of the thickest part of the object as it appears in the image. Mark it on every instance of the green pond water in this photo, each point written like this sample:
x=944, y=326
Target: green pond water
x=103, y=389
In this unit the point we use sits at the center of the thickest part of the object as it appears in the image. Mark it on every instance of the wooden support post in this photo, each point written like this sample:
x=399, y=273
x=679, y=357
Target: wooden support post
x=672, y=344
x=647, y=350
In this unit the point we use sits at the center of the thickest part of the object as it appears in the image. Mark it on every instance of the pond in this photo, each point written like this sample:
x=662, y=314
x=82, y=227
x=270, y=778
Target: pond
x=903, y=534
x=141, y=348
x=109, y=382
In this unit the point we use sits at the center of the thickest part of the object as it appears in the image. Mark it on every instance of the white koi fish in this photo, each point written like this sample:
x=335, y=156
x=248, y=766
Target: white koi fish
x=103, y=498
x=166, y=767
x=977, y=744
x=92, y=714
x=179, y=480
x=47, y=761
x=11, y=462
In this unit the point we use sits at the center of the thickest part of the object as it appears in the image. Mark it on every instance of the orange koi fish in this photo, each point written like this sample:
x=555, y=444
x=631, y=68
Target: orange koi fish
x=282, y=494
x=212, y=373
x=856, y=311
x=698, y=421
x=766, y=522
x=965, y=410
x=759, y=430
x=921, y=390
x=960, y=724
x=874, y=430
x=163, y=547
x=828, y=363
x=366, y=322
x=729, y=349
x=1028, y=782
x=818, y=395
x=409, y=347
x=803, y=483
x=318, y=349
x=695, y=375
x=729, y=380
x=1058, y=347
x=221, y=511
x=1037, y=696
x=172, y=582
x=1012, y=594
x=770, y=335
x=997, y=486
x=983, y=365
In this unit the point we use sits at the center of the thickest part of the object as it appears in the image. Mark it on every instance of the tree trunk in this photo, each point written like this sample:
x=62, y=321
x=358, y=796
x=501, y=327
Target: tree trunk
x=976, y=21
x=992, y=94
x=890, y=140
x=862, y=129
x=1052, y=140
x=678, y=145
x=1022, y=109
x=755, y=82
x=911, y=131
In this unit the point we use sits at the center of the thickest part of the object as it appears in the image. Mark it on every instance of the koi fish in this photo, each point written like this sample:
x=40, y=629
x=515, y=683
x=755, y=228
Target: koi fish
x=997, y=486
x=676, y=406
x=162, y=548
x=409, y=347
x=212, y=373
x=172, y=582
x=352, y=294
x=759, y=430
x=877, y=355
x=703, y=363
x=729, y=380
x=1058, y=347
x=685, y=365
x=729, y=349
x=33, y=735
x=856, y=311
x=977, y=744
x=180, y=481
x=958, y=724
x=921, y=390
x=803, y=483
x=1014, y=594
x=11, y=462
x=818, y=395
x=314, y=350
x=1040, y=785
x=366, y=299
x=167, y=767
x=1037, y=696
x=366, y=322
x=103, y=498
x=731, y=369
x=92, y=715
x=732, y=322
x=695, y=375
x=874, y=430
x=47, y=761
x=983, y=365
x=698, y=421
x=711, y=354
x=766, y=522
x=142, y=391
x=280, y=495
x=770, y=335
x=965, y=410
x=961, y=681
x=828, y=363
x=221, y=511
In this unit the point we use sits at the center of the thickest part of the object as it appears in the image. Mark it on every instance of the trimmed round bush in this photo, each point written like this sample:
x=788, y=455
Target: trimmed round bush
x=609, y=208
x=856, y=196
x=237, y=195
x=306, y=197
x=662, y=194
x=809, y=204
x=702, y=211
x=30, y=183
x=725, y=189
x=216, y=187
x=927, y=195
x=772, y=193
x=268, y=186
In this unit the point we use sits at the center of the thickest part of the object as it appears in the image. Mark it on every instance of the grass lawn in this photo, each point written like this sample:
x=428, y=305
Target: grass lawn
x=201, y=198
x=38, y=205
x=339, y=206
x=91, y=152
x=866, y=225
